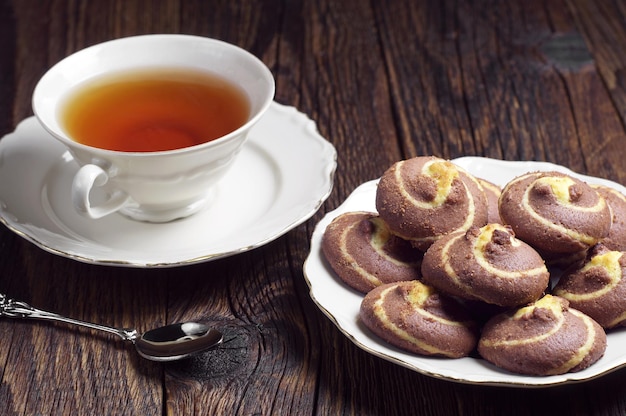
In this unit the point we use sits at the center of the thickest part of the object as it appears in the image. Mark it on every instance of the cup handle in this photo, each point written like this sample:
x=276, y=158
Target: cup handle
x=88, y=177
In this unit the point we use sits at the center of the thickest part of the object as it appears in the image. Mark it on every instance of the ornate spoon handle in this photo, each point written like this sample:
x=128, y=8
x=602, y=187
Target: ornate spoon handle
x=10, y=308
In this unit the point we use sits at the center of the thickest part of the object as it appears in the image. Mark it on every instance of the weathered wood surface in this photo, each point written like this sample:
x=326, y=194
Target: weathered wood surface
x=515, y=80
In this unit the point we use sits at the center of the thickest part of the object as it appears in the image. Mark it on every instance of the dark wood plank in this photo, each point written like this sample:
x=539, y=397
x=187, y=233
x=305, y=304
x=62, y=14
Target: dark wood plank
x=474, y=79
x=343, y=87
x=601, y=24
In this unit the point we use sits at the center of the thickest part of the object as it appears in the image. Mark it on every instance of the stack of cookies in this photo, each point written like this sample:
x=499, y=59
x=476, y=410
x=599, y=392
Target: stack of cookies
x=451, y=265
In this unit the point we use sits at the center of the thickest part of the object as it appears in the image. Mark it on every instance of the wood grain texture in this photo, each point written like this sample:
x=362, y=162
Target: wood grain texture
x=515, y=80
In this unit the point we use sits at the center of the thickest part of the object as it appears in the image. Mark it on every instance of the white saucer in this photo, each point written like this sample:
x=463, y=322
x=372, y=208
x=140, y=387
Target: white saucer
x=281, y=178
x=341, y=304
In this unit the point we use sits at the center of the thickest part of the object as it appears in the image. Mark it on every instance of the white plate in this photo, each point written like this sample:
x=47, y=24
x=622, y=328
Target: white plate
x=281, y=178
x=341, y=304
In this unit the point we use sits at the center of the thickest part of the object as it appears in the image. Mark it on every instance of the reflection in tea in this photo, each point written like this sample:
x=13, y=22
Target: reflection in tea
x=153, y=110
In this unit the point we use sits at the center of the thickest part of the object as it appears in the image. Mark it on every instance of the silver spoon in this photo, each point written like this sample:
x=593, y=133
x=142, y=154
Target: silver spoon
x=167, y=343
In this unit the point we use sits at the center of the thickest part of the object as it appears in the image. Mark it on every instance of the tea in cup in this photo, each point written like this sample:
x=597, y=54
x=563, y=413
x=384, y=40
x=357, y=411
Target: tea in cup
x=153, y=121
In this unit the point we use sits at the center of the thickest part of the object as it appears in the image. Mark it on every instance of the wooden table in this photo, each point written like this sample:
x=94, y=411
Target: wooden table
x=384, y=80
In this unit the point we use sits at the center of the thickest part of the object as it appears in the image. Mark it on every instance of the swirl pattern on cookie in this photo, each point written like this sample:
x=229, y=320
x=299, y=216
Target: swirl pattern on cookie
x=598, y=287
x=362, y=251
x=545, y=338
x=554, y=212
x=616, y=239
x=492, y=192
x=487, y=264
x=416, y=318
x=426, y=197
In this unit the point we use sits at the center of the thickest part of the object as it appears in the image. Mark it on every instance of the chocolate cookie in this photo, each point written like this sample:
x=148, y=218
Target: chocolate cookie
x=414, y=317
x=598, y=287
x=487, y=264
x=362, y=251
x=544, y=338
x=424, y=198
x=555, y=213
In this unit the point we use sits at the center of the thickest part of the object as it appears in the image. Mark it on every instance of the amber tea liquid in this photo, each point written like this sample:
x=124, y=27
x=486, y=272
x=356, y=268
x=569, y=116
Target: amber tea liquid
x=153, y=110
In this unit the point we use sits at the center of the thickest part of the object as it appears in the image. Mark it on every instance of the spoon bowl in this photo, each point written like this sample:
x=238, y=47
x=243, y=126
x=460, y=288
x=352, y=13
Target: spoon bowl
x=177, y=341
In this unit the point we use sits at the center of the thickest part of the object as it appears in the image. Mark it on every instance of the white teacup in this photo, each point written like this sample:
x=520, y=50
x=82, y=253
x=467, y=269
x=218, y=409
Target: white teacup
x=155, y=186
